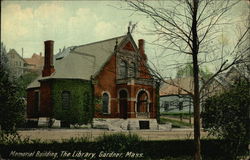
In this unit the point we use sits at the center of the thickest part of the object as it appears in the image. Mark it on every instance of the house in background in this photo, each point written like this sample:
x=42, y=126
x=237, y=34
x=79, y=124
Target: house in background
x=175, y=100
x=225, y=80
x=109, y=78
x=19, y=65
x=35, y=63
x=16, y=63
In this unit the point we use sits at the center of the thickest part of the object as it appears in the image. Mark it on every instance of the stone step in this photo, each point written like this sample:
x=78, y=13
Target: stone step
x=128, y=124
x=43, y=122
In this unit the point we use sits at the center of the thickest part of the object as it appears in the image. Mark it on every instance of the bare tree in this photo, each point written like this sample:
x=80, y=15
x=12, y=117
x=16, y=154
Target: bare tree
x=189, y=27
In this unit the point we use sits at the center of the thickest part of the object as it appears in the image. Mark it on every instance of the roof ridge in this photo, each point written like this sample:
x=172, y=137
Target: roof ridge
x=101, y=41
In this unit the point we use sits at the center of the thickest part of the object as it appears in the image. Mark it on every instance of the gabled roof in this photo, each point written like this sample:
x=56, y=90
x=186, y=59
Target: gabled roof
x=235, y=71
x=82, y=62
x=35, y=60
x=185, y=83
x=11, y=51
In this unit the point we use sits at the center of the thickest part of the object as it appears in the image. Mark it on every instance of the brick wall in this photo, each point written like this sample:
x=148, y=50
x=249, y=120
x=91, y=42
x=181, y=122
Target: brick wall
x=106, y=81
x=45, y=99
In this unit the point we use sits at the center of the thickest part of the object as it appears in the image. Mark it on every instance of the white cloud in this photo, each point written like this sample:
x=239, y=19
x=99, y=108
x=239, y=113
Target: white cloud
x=104, y=29
x=15, y=21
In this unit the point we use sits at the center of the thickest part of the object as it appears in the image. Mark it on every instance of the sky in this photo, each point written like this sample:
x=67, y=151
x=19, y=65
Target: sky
x=27, y=24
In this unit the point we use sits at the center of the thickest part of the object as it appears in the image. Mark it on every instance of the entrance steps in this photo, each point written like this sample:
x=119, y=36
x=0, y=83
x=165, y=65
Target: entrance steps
x=116, y=124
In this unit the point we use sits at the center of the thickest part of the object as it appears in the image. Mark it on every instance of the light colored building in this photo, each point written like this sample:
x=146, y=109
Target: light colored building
x=16, y=63
x=175, y=100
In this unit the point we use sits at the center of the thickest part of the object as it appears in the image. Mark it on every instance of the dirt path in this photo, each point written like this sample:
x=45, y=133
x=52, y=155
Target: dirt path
x=91, y=134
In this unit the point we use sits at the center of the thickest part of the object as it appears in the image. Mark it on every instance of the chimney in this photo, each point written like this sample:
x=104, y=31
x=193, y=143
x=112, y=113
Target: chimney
x=22, y=52
x=48, y=67
x=40, y=54
x=141, y=49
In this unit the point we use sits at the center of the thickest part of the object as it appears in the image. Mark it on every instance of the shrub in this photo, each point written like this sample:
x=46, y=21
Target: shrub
x=227, y=117
x=118, y=142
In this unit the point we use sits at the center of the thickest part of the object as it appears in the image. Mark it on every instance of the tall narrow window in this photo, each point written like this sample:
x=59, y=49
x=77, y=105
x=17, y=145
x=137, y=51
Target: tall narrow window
x=133, y=69
x=123, y=69
x=37, y=103
x=142, y=101
x=86, y=102
x=105, y=102
x=65, y=99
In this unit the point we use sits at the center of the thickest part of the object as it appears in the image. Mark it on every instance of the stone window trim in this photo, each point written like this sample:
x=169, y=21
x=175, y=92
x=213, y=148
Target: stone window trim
x=148, y=99
x=131, y=62
x=109, y=102
x=118, y=96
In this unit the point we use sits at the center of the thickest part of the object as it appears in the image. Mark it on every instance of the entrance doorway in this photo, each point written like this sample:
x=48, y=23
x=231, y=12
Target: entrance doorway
x=123, y=103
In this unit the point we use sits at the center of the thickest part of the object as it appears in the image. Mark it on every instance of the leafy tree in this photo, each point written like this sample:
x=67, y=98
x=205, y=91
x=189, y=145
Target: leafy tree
x=187, y=71
x=227, y=116
x=11, y=105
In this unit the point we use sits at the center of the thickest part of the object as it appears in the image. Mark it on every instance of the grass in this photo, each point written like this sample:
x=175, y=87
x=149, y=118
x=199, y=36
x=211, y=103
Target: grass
x=175, y=123
x=177, y=114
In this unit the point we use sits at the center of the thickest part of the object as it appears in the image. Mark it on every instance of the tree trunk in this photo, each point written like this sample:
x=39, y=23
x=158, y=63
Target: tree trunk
x=196, y=97
x=196, y=102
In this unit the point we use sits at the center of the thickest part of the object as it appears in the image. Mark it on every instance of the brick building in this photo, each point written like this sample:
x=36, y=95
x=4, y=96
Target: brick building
x=35, y=63
x=114, y=72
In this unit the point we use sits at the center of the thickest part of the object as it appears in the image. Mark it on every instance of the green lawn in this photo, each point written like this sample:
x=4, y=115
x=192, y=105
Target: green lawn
x=175, y=123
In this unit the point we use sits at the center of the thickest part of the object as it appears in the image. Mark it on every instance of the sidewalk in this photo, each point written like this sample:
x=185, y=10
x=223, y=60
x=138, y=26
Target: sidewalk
x=91, y=134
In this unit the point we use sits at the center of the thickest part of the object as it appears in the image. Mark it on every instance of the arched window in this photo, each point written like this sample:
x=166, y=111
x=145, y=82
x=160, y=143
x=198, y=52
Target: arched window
x=142, y=101
x=133, y=69
x=65, y=99
x=123, y=69
x=105, y=103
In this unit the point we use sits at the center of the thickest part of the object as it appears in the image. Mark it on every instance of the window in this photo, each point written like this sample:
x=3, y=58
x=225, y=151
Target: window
x=180, y=106
x=166, y=106
x=37, y=103
x=65, y=99
x=105, y=102
x=133, y=70
x=142, y=101
x=123, y=69
x=86, y=102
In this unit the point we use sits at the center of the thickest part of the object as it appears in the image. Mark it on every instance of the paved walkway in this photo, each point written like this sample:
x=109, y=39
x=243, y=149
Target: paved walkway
x=91, y=134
